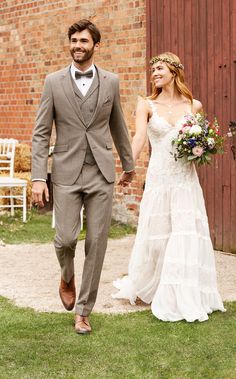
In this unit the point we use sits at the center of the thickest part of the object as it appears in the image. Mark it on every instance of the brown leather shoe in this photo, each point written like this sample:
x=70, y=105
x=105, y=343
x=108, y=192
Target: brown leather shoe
x=67, y=293
x=82, y=325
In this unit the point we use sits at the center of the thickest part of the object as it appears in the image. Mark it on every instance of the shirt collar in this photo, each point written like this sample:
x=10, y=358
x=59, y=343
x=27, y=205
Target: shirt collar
x=73, y=69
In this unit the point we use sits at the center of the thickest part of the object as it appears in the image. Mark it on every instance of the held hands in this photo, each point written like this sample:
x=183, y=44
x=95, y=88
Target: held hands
x=126, y=178
x=38, y=189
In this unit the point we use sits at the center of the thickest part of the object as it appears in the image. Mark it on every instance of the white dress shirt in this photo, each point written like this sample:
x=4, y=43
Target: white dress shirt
x=83, y=83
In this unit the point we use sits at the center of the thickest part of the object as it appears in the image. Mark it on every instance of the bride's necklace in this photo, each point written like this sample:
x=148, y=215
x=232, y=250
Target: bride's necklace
x=169, y=106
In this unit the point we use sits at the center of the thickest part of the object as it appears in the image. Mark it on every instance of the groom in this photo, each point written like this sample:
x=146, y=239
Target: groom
x=83, y=102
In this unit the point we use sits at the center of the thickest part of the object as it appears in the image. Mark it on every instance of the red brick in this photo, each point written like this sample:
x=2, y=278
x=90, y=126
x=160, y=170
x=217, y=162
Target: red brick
x=34, y=43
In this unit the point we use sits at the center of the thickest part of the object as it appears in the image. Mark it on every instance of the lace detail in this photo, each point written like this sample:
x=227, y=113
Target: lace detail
x=172, y=262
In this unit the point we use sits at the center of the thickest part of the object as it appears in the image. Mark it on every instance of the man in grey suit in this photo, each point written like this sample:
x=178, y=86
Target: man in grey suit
x=83, y=102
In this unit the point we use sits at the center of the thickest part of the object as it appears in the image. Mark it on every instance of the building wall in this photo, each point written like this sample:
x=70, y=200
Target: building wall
x=33, y=43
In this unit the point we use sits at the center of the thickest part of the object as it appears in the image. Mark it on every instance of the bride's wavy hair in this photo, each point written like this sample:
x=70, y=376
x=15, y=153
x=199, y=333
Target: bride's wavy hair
x=176, y=68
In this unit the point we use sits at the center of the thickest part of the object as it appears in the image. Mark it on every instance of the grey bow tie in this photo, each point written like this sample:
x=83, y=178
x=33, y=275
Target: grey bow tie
x=88, y=74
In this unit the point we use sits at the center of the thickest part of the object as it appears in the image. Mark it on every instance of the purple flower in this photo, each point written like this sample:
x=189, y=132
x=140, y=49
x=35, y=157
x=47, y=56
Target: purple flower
x=192, y=142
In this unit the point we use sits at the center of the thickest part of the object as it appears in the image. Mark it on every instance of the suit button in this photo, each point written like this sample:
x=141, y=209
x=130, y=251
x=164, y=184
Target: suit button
x=90, y=110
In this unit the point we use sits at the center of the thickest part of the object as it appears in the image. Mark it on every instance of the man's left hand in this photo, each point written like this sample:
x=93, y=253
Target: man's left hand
x=126, y=178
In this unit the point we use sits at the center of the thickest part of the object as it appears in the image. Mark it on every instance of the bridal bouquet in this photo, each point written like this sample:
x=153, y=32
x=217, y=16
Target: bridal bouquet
x=197, y=140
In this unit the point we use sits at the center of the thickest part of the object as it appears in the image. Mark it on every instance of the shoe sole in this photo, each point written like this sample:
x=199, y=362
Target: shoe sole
x=82, y=331
x=68, y=308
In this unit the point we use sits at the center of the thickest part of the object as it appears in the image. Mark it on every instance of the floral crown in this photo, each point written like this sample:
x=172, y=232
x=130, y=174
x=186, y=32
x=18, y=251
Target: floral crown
x=166, y=60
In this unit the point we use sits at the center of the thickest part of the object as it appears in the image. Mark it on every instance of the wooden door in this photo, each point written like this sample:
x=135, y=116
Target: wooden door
x=203, y=34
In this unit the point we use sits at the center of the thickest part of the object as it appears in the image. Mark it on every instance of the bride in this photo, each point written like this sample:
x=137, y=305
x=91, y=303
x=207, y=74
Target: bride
x=172, y=262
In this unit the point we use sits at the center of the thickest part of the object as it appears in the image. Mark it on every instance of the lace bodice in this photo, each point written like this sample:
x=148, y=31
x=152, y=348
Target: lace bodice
x=162, y=166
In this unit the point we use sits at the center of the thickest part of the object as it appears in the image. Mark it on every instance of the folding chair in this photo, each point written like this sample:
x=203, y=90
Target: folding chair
x=7, y=180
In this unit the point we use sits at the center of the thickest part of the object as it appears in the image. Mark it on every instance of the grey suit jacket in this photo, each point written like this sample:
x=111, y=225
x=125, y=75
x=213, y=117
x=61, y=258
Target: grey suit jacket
x=58, y=105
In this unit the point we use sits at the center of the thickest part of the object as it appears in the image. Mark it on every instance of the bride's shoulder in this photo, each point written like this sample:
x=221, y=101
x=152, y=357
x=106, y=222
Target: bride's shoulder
x=197, y=106
x=143, y=102
x=142, y=99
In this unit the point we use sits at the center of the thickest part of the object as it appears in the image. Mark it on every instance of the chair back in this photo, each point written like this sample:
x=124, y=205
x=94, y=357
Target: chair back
x=7, y=155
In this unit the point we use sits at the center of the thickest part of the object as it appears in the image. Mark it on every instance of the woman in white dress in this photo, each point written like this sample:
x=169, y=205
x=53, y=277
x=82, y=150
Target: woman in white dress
x=172, y=263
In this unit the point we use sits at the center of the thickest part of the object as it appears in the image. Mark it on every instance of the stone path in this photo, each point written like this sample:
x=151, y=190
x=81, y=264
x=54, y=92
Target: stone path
x=29, y=275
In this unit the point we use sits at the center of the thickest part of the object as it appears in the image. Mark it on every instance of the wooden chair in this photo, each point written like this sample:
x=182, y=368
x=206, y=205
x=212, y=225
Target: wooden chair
x=7, y=180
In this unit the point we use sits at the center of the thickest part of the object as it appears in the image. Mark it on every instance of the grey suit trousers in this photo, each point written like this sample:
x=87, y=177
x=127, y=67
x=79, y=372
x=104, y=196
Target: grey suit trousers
x=93, y=191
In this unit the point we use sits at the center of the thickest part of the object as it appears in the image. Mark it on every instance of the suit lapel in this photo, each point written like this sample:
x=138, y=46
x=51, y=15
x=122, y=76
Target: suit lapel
x=101, y=93
x=70, y=94
x=92, y=88
x=76, y=90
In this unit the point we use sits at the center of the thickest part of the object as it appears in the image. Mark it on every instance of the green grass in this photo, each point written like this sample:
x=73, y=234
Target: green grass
x=135, y=345
x=38, y=229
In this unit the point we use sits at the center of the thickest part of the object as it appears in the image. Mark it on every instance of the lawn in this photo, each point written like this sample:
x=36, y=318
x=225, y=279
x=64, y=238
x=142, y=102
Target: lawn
x=135, y=345
x=37, y=345
x=38, y=228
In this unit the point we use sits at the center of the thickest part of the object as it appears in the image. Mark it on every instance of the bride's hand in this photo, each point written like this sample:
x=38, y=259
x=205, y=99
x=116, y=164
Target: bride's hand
x=126, y=178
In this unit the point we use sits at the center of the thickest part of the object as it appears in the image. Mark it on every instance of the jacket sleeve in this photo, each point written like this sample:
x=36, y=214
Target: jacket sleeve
x=42, y=133
x=119, y=131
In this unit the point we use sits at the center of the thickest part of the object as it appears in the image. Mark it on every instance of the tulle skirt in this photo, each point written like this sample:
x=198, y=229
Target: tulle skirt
x=172, y=264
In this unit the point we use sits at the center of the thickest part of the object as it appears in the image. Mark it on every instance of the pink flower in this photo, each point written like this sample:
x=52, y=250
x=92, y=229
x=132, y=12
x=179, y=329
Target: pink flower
x=198, y=151
x=186, y=128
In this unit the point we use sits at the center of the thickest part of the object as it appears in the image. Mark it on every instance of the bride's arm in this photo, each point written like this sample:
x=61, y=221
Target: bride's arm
x=197, y=106
x=142, y=116
x=139, y=139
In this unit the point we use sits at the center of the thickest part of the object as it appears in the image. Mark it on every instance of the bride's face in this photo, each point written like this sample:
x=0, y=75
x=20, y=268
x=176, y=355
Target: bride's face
x=161, y=75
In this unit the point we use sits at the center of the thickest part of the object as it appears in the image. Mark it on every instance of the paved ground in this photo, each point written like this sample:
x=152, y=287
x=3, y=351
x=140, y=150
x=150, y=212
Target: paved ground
x=29, y=275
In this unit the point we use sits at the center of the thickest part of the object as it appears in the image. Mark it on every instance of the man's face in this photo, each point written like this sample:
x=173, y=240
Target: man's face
x=82, y=47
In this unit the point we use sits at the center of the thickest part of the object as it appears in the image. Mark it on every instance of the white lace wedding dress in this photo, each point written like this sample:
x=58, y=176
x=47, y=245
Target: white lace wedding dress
x=172, y=263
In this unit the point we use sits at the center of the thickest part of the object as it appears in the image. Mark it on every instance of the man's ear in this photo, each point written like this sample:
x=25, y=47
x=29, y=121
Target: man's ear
x=96, y=46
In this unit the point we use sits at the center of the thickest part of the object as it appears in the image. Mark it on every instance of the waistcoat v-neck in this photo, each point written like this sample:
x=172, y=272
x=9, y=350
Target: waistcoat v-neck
x=87, y=104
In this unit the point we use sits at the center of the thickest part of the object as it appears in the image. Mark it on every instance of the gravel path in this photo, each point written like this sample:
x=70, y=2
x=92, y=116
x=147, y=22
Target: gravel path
x=29, y=275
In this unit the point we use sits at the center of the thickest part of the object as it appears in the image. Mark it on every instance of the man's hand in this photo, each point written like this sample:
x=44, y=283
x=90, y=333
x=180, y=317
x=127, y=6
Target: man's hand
x=38, y=189
x=126, y=178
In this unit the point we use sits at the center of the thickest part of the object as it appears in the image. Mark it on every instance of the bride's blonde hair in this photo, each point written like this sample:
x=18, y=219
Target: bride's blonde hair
x=176, y=68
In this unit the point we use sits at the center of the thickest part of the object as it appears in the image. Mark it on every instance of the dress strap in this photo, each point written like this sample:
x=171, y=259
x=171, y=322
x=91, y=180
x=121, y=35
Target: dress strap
x=150, y=103
x=192, y=107
x=151, y=107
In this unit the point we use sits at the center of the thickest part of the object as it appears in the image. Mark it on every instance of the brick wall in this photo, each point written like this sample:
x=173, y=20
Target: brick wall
x=33, y=43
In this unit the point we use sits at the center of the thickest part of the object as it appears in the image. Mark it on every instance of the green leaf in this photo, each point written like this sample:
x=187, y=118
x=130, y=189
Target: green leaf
x=192, y=157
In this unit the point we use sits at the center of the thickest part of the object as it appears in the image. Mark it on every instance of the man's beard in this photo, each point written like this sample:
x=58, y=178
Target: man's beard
x=87, y=54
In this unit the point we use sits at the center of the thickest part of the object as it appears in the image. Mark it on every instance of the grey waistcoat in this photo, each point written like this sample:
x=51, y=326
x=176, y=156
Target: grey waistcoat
x=87, y=105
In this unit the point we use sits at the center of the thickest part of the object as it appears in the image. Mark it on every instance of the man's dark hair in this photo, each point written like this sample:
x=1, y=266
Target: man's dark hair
x=85, y=25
